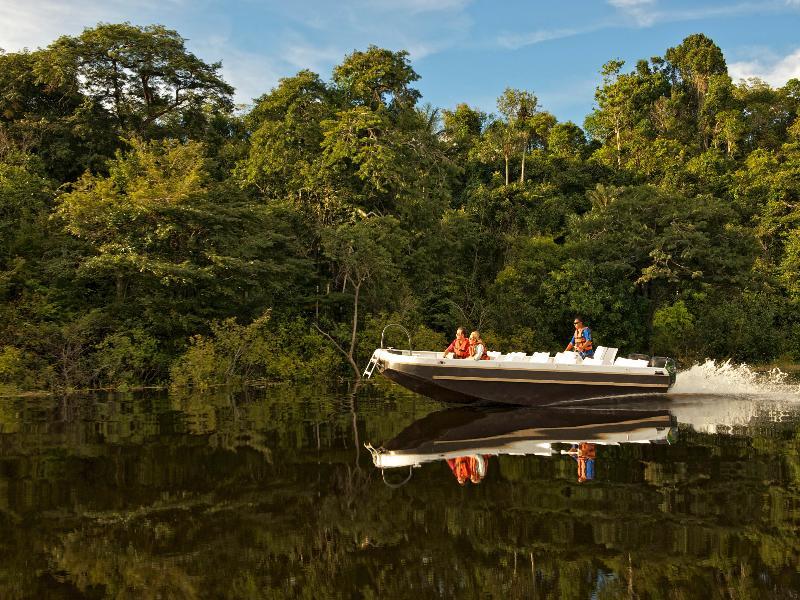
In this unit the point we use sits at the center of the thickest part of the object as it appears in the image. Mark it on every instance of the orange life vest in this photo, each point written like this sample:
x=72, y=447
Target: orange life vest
x=581, y=343
x=485, y=349
x=461, y=348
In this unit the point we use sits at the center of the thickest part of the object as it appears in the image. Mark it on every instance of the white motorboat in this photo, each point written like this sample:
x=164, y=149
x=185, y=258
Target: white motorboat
x=518, y=378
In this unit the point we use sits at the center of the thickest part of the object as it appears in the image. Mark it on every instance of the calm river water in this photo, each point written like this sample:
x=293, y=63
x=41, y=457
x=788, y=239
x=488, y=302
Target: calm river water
x=274, y=495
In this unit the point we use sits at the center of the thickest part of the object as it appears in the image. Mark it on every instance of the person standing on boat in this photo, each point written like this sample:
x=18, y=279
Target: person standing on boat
x=581, y=340
x=477, y=347
x=459, y=346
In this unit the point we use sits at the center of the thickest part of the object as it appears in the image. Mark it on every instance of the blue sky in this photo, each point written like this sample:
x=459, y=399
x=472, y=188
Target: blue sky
x=464, y=50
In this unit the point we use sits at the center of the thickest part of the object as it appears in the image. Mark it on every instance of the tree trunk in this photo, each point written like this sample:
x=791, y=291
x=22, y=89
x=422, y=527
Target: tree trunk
x=506, y=157
x=349, y=355
x=355, y=327
x=120, y=287
x=117, y=93
x=651, y=313
x=522, y=174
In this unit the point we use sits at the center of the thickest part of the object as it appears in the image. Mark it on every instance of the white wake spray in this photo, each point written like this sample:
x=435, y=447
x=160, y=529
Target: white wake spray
x=720, y=397
x=730, y=379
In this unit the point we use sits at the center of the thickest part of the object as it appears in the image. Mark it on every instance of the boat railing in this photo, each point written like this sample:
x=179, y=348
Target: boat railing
x=373, y=361
x=398, y=326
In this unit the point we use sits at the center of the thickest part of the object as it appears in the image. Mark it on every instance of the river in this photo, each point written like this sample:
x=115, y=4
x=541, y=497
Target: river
x=275, y=494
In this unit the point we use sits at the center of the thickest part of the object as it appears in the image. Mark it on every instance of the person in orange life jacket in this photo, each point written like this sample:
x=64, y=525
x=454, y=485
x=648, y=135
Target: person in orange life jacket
x=459, y=346
x=584, y=454
x=581, y=340
x=477, y=347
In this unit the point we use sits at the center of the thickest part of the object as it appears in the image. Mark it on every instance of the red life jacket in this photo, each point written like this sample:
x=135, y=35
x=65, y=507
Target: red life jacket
x=581, y=343
x=461, y=348
x=485, y=350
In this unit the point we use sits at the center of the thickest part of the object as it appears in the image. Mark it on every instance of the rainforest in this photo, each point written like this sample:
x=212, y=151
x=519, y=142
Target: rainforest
x=152, y=233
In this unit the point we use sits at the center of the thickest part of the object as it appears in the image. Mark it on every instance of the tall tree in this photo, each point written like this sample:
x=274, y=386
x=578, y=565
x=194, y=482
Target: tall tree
x=377, y=78
x=698, y=68
x=285, y=144
x=144, y=76
x=517, y=108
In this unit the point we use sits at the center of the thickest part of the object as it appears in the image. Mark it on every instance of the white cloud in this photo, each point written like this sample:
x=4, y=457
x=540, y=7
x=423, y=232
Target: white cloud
x=298, y=53
x=32, y=24
x=418, y=6
x=775, y=71
x=518, y=40
x=251, y=74
x=640, y=12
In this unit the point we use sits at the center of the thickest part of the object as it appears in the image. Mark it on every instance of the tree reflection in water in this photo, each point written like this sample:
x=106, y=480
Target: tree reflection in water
x=225, y=496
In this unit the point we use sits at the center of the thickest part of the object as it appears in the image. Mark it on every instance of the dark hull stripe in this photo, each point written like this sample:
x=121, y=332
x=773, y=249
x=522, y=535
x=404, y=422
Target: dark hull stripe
x=557, y=381
x=468, y=388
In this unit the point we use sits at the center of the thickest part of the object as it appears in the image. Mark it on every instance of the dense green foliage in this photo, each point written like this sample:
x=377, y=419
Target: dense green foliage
x=138, y=211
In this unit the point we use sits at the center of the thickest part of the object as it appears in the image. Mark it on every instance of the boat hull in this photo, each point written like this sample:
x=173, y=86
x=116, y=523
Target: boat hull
x=470, y=383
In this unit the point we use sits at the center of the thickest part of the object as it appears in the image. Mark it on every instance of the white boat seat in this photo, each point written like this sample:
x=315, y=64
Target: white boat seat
x=593, y=360
x=540, y=357
x=567, y=358
x=609, y=355
x=516, y=356
x=494, y=355
x=630, y=362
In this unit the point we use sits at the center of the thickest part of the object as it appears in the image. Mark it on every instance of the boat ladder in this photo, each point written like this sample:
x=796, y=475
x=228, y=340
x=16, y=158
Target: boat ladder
x=373, y=362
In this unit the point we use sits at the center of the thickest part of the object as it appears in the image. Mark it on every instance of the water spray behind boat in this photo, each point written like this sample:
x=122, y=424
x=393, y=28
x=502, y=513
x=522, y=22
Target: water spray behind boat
x=730, y=379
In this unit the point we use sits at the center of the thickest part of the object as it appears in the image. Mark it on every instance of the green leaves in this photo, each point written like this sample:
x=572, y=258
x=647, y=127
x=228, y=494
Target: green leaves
x=140, y=74
x=286, y=136
x=377, y=78
x=136, y=210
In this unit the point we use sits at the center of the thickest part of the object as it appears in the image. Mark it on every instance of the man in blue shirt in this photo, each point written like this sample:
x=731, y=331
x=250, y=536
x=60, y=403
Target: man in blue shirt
x=581, y=340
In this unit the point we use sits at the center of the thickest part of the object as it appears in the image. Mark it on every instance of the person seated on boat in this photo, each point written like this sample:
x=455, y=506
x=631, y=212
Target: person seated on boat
x=459, y=346
x=477, y=347
x=469, y=468
x=584, y=454
x=581, y=340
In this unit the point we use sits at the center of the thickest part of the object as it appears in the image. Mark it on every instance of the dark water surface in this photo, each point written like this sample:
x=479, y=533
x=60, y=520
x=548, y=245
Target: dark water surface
x=273, y=495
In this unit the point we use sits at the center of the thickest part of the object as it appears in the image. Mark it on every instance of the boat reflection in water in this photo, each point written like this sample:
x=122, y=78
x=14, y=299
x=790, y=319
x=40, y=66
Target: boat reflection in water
x=467, y=438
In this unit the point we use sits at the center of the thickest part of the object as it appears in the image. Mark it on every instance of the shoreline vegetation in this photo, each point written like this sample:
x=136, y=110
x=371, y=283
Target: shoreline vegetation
x=152, y=235
x=792, y=370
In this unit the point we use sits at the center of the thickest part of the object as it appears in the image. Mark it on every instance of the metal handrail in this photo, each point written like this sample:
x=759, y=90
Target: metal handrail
x=399, y=484
x=408, y=335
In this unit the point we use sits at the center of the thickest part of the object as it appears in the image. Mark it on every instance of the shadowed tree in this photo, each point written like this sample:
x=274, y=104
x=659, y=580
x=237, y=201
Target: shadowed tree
x=364, y=254
x=142, y=75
